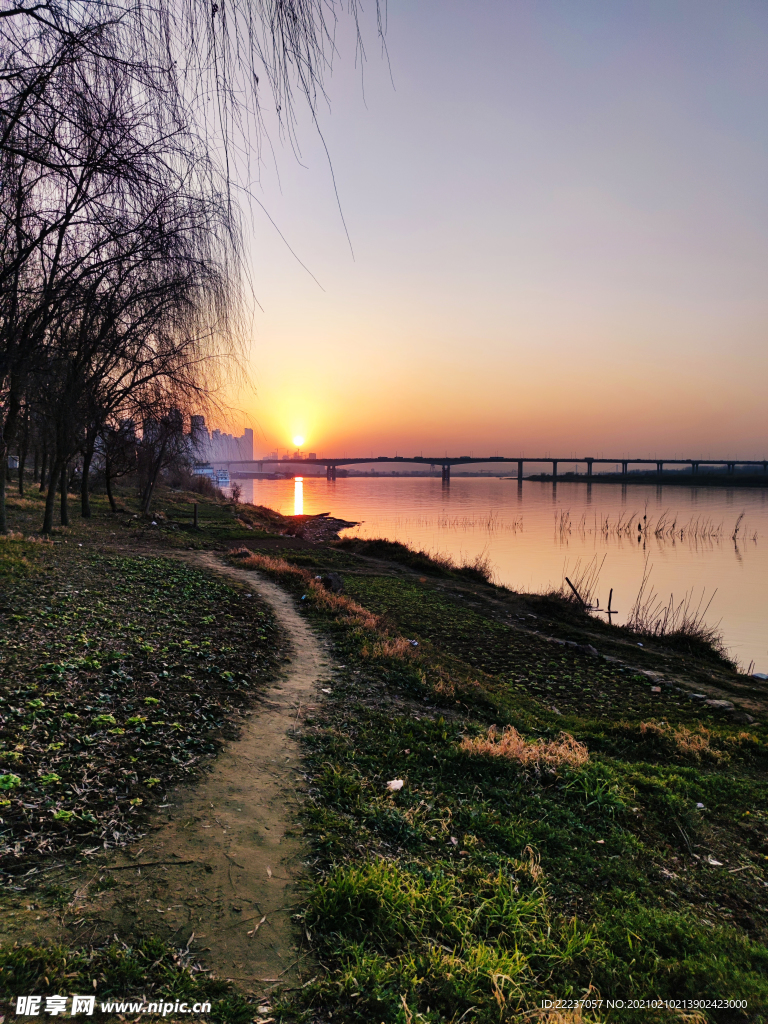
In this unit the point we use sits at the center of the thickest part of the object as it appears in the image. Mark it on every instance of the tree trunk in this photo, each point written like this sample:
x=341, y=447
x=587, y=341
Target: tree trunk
x=85, y=500
x=108, y=481
x=6, y=436
x=44, y=468
x=3, y=523
x=51, y=496
x=64, y=495
x=37, y=464
x=22, y=464
x=147, y=499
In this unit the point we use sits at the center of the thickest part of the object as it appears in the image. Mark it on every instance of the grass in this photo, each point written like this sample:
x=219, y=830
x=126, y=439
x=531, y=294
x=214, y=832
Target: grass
x=486, y=883
x=122, y=673
x=621, y=851
x=508, y=743
x=434, y=563
x=120, y=677
x=145, y=970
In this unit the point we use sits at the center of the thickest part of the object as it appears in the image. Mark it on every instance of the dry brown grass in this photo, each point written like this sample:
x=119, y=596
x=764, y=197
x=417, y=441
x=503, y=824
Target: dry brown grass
x=565, y=750
x=256, y=561
x=392, y=647
x=12, y=536
x=694, y=743
x=351, y=612
x=445, y=687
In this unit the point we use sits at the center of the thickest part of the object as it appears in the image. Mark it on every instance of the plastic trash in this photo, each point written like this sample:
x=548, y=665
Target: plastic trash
x=700, y=807
x=414, y=643
x=395, y=785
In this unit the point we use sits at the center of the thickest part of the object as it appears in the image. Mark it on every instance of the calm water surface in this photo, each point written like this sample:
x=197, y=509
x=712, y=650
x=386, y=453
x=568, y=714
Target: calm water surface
x=536, y=534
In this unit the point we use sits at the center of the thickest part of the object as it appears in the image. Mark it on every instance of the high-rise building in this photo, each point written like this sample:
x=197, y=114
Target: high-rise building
x=217, y=446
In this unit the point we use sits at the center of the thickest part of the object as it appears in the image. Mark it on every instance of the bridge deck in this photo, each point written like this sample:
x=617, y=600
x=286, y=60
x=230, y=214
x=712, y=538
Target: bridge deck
x=463, y=460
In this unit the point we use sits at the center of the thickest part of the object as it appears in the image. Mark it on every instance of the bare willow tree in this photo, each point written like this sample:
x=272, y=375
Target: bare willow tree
x=117, y=258
x=123, y=128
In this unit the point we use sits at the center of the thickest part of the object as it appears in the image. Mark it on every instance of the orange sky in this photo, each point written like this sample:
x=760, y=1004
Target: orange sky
x=558, y=216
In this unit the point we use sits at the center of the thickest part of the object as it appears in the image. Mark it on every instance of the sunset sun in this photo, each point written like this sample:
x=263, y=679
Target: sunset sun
x=298, y=440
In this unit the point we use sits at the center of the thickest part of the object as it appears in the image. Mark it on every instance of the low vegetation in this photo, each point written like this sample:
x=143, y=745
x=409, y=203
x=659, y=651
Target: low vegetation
x=564, y=750
x=632, y=865
x=570, y=825
x=118, y=680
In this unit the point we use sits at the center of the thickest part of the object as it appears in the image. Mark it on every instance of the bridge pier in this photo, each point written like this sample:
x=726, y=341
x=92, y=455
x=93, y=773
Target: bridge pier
x=659, y=468
x=330, y=472
x=259, y=467
x=554, y=469
x=731, y=468
x=694, y=467
x=446, y=472
x=589, y=467
x=624, y=469
x=520, y=472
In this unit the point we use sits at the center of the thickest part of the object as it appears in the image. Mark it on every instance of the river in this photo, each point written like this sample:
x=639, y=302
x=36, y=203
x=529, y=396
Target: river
x=709, y=544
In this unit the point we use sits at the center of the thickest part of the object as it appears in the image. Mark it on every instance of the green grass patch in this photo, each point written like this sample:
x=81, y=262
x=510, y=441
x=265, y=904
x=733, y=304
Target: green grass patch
x=119, y=676
x=481, y=886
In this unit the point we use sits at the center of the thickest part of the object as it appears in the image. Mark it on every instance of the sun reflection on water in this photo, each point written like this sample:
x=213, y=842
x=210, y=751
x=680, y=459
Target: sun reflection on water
x=298, y=496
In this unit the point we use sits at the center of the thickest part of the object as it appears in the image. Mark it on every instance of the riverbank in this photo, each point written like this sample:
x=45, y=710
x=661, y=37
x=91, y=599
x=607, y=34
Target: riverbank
x=626, y=860
x=660, y=480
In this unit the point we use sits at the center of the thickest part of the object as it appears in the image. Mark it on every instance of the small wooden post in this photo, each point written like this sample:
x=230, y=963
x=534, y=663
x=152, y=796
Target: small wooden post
x=195, y=515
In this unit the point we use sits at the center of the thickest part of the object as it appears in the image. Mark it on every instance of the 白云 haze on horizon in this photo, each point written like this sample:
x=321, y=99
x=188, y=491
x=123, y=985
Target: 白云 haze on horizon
x=558, y=218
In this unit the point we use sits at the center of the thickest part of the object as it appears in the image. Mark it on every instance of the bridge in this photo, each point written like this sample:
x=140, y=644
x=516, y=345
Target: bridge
x=254, y=467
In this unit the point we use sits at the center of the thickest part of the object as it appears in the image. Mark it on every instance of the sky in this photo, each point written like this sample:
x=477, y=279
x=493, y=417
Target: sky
x=554, y=238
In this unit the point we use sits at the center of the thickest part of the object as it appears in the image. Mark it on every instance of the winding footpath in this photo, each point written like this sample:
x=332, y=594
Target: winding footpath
x=221, y=871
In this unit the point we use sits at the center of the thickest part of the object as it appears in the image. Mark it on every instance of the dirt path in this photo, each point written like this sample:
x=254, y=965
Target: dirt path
x=230, y=852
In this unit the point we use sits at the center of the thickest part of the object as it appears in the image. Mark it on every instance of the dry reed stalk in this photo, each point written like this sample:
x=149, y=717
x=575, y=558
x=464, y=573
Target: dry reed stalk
x=650, y=617
x=585, y=580
x=565, y=750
